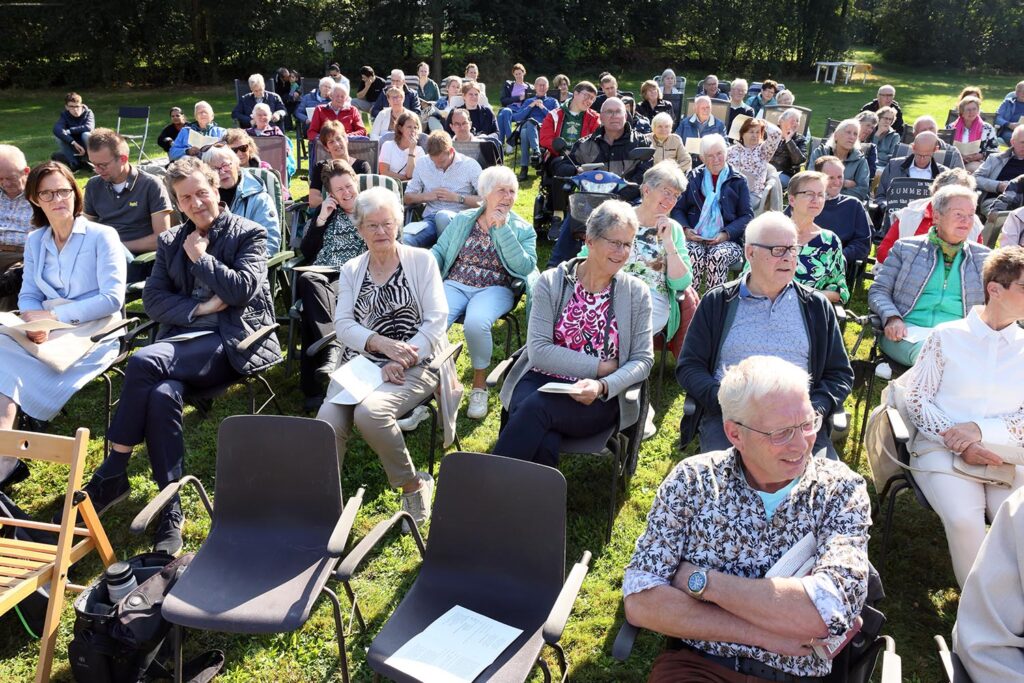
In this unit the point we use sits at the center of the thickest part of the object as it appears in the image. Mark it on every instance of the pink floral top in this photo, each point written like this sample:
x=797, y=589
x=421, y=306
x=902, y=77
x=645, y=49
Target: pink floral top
x=588, y=325
x=753, y=162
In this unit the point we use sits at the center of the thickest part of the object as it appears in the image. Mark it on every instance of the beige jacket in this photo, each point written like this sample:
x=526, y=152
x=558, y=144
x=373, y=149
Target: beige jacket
x=674, y=149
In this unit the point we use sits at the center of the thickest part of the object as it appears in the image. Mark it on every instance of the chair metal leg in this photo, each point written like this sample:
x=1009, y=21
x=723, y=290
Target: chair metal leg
x=661, y=374
x=433, y=435
x=357, y=614
x=544, y=669
x=616, y=468
x=179, y=643
x=340, y=628
x=562, y=662
x=887, y=524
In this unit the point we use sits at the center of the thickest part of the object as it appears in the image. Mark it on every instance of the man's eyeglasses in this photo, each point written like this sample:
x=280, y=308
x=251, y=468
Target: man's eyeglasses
x=780, y=437
x=779, y=250
x=50, y=195
x=620, y=246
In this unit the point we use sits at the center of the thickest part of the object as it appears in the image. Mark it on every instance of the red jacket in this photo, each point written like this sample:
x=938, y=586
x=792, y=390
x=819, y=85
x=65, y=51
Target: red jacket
x=551, y=128
x=927, y=220
x=349, y=116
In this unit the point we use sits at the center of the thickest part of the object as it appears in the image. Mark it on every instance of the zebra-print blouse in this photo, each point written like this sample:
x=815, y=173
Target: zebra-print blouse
x=389, y=309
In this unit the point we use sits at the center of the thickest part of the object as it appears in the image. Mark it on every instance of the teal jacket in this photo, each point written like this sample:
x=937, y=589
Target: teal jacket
x=515, y=242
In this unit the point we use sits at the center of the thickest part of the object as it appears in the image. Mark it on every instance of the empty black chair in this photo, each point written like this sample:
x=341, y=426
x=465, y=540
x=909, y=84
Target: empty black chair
x=497, y=547
x=278, y=530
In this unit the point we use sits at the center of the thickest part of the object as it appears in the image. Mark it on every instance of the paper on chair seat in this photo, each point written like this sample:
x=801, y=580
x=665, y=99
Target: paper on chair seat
x=185, y=336
x=358, y=379
x=455, y=648
x=560, y=388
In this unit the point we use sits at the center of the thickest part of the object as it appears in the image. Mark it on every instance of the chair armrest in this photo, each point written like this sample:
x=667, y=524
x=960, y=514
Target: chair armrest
x=321, y=344
x=559, y=614
x=633, y=393
x=347, y=568
x=144, y=328
x=111, y=329
x=892, y=667
x=689, y=407
x=452, y=352
x=162, y=499
x=518, y=288
x=841, y=313
x=257, y=336
x=900, y=433
x=147, y=257
x=279, y=258
x=501, y=369
x=624, y=639
x=339, y=537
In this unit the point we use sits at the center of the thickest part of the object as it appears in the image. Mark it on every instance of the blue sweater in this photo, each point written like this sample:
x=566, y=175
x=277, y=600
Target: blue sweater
x=535, y=113
x=735, y=203
x=70, y=128
x=1009, y=111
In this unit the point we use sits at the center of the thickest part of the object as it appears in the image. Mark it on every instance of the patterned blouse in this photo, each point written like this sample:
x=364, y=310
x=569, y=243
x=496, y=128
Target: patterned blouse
x=587, y=324
x=341, y=241
x=389, y=309
x=705, y=512
x=477, y=264
x=753, y=162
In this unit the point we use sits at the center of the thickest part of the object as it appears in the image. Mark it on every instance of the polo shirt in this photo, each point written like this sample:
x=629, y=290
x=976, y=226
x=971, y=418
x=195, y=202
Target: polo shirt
x=460, y=177
x=129, y=211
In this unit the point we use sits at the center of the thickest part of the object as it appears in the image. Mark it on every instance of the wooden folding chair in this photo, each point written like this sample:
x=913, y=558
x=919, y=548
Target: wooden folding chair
x=26, y=566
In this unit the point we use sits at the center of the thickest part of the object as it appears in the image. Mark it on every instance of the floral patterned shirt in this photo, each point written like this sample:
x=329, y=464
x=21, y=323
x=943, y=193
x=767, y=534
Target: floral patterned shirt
x=588, y=325
x=753, y=162
x=706, y=512
x=477, y=264
x=821, y=265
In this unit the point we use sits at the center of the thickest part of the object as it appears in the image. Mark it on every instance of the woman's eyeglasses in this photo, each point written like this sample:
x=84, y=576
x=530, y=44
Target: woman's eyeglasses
x=50, y=195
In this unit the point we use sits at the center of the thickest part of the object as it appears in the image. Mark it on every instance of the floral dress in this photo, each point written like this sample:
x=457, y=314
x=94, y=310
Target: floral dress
x=821, y=265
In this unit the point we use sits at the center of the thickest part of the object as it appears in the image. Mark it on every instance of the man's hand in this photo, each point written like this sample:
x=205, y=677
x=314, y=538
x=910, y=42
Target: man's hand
x=196, y=245
x=895, y=329
x=445, y=195
x=212, y=305
x=785, y=645
x=79, y=150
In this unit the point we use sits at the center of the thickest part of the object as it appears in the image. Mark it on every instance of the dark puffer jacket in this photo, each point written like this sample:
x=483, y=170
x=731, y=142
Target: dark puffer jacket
x=235, y=269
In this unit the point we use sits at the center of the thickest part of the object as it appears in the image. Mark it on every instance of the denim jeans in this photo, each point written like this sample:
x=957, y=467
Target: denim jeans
x=481, y=306
x=505, y=124
x=529, y=141
x=566, y=246
x=67, y=150
x=433, y=226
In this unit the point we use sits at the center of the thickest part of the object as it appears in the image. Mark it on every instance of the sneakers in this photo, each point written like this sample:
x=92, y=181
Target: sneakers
x=477, y=404
x=650, y=429
x=417, y=503
x=107, y=491
x=509, y=149
x=413, y=420
x=167, y=538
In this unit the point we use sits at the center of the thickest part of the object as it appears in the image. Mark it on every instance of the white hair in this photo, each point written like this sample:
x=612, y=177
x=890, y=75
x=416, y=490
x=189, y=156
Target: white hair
x=14, y=155
x=769, y=219
x=202, y=104
x=740, y=81
x=751, y=384
x=326, y=80
x=666, y=172
x=214, y=153
x=786, y=95
x=789, y=114
x=845, y=123
x=494, y=177
x=609, y=215
x=887, y=87
x=710, y=142
x=701, y=99
x=942, y=198
x=374, y=199
x=661, y=117
x=263, y=107
x=398, y=73
x=339, y=86
x=257, y=79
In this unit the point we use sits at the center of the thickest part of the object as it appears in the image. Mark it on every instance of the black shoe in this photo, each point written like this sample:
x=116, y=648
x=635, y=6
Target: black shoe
x=167, y=538
x=107, y=491
x=329, y=363
x=524, y=173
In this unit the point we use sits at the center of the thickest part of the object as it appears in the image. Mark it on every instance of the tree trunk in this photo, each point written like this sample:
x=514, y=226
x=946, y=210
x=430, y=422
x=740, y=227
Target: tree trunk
x=436, y=28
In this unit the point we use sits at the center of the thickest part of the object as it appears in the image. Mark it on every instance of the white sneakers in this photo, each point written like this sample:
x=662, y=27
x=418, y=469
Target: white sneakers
x=477, y=409
x=417, y=503
x=418, y=415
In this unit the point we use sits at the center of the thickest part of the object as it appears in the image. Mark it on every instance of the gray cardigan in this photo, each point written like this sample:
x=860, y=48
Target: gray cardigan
x=631, y=306
x=901, y=278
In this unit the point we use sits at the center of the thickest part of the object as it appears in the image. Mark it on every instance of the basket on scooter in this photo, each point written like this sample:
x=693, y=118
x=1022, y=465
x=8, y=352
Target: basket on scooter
x=581, y=205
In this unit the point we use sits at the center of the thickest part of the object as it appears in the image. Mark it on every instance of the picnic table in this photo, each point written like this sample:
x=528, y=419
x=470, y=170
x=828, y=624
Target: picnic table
x=849, y=67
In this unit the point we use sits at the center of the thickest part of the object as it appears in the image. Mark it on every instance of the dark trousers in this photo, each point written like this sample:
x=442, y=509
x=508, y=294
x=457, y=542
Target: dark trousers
x=713, y=438
x=567, y=246
x=157, y=378
x=319, y=295
x=537, y=421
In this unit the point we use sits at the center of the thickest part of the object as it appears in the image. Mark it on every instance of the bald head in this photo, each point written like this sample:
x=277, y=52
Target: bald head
x=613, y=116
x=925, y=123
x=925, y=144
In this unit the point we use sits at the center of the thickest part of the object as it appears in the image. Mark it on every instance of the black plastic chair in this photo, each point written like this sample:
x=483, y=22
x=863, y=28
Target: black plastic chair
x=497, y=547
x=954, y=668
x=277, y=532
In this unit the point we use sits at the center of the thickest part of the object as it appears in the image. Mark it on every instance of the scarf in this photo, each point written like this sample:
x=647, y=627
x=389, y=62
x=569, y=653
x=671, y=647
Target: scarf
x=974, y=132
x=710, y=222
x=949, y=251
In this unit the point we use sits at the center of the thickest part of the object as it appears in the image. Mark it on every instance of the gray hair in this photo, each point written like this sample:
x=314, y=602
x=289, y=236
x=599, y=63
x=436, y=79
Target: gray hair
x=398, y=72
x=887, y=87
x=326, y=80
x=263, y=107
x=701, y=99
x=750, y=384
x=953, y=176
x=660, y=118
x=869, y=116
x=740, y=81
x=257, y=79
x=925, y=119
x=945, y=195
x=14, y=155
x=211, y=155
x=845, y=123
x=494, y=177
x=710, y=142
x=665, y=172
x=185, y=167
x=339, y=86
x=769, y=219
x=202, y=104
x=666, y=73
x=610, y=215
x=786, y=95
x=613, y=101
x=789, y=114
x=375, y=199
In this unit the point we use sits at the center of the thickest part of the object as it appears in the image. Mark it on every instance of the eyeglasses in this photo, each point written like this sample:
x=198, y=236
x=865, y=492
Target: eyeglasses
x=810, y=195
x=780, y=437
x=619, y=246
x=379, y=227
x=100, y=166
x=240, y=148
x=778, y=250
x=50, y=195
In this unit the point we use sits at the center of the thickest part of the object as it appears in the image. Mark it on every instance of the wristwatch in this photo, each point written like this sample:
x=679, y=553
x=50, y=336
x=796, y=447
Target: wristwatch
x=462, y=199
x=696, y=584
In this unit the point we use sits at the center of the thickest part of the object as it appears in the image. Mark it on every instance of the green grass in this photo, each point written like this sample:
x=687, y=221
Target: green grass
x=922, y=595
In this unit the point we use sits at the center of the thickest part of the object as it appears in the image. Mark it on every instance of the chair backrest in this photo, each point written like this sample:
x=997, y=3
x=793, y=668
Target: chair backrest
x=369, y=180
x=484, y=152
x=902, y=150
x=902, y=191
x=309, y=83
x=276, y=475
x=812, y=144
x=273, y=149
x=774, y=112
x=719, y=108
x=390, y=135
x=908, y=135
x=367, y=150
x=952, y=158
x=830, y=127
x=946, y=135
x=676, y=99
x=132, y=113
x=499, y=517
x=272, y=182
x=994, y=228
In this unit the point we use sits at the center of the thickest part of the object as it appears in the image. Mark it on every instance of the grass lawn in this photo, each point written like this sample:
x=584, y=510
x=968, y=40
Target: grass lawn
x=922, y=594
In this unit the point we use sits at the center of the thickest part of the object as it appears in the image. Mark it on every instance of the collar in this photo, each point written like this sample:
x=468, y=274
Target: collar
x=80, y=225
x=1011, y=334
x=733, y=467
x=745, y=292
x=130, y=180
x=15, y=199
x=710, y=121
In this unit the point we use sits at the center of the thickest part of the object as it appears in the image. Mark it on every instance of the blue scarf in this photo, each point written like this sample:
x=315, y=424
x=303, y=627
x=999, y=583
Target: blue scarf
x=710, y=222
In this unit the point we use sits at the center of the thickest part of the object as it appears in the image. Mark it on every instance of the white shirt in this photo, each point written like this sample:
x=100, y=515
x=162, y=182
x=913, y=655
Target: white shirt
x=397, y=158
x=922, y=173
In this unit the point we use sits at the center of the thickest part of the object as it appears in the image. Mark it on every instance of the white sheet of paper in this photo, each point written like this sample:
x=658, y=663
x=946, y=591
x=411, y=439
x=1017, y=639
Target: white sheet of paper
x=309, y=113
x=559, y=388
x=455, y=648
x=199, y=140
x=315, y=269
x=14, y=321
x=917, y=334
x=967, y=148
x=797, y=561
x=358, y=378
x=185, y=336
x=737, y=123
x=693, y=146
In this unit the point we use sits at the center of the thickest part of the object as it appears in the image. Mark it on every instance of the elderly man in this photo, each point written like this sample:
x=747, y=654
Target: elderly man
x=929, y=279
x=711, y=89
x=371, y=88
x=446, y=183
x=202, y=124
x=951, y=156
x=243, y=110
x=15, y=222
x=843, y=215
x=120, y=195
x=530, y=116
x=792, y=150
x=72, y=131
x=245, y=195
x=887, y=98
x=919, y=164
x=702, y=122
x=1010, y=113
x=610, y=145
x=999, y=170
x=339, y=109
x=737, y=93
x=763, y=313
x=723, y=519
x=410, y=101
x=313, y=99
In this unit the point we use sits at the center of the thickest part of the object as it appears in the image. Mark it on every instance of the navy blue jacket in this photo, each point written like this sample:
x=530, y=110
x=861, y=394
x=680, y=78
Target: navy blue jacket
x=243, y=110
x=411, y=102
x=735, y=203
x=70, y=128
x=848, y=219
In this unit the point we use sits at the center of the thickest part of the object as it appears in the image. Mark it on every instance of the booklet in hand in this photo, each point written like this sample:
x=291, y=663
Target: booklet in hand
x=14, y=322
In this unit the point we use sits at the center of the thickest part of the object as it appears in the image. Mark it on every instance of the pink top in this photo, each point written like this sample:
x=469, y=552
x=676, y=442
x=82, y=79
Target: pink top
x=587, y=325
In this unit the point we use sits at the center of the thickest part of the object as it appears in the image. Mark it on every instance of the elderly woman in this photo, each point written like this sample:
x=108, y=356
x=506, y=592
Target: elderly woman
x=969, y=127
x=668, y=83
x=329, y=242
x=792, y=150
x=590, y=329
x=203, y=124
x=765, y=98
x=758, y=142
x=391, y=311
x=714, y=211
x=209, y=282
x=261, y=127
x=562, y=88
x=965, y=396
x=480, y=114
x=929, y=279
x=786, y=98
x=668, y=145
x=651, y=102
x=74, y=272
x=885, y=139
x=868, y=121
x=820, y=263
x=387, y=119
x=398, y=156
x=480, y=254
x=843, y=145
x=334, y=140
x=701, y=122
x=244, y=194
